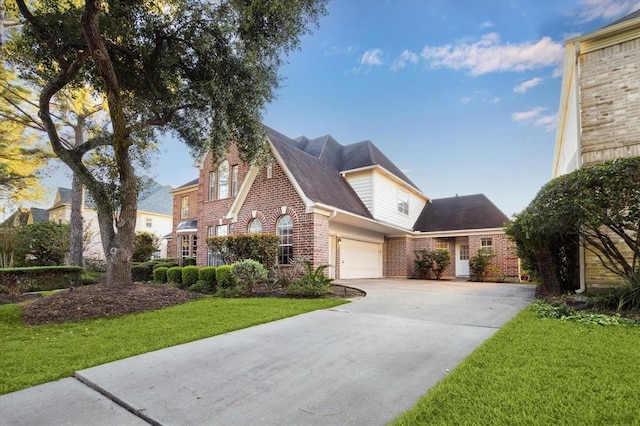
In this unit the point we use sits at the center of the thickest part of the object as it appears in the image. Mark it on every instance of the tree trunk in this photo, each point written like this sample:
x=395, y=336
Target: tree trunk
x=550, y=285
x=76, y=223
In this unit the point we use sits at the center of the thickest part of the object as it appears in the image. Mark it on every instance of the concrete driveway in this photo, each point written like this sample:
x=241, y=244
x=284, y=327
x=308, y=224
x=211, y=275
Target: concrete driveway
x=362, y=363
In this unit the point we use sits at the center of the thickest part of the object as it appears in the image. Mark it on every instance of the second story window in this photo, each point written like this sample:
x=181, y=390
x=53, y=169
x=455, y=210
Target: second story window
x=223, y=180
x=234, y=180
x=403, y=202
x=184, y=207
x=212, y=186
x=149, y=222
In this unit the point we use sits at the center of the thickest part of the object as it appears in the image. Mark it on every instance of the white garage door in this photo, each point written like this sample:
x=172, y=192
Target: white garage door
x=360, y=260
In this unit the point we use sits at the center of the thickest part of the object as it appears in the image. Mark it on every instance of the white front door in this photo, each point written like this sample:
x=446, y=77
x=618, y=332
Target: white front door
x=462, y=257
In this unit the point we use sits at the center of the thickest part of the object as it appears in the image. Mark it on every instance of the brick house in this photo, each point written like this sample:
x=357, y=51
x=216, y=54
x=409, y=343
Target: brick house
x=599, y=113
x=347, y=206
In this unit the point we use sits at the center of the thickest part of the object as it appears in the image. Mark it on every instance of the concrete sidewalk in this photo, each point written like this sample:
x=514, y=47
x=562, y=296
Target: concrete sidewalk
x=358, y=364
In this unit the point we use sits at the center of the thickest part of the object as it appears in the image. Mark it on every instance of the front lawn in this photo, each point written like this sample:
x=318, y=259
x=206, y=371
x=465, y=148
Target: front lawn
x=30, y=355
x=541, y=371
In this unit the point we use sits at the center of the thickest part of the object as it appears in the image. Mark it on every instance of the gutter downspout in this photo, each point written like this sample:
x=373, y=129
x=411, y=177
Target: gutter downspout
x=581, y=250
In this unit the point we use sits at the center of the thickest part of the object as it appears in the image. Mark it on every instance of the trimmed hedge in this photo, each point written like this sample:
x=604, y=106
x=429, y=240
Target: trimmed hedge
x=207, y=275
x=174, y=276
x=189, y=276
x=142, y=272
x=224, y=277
x=43, y=278
x=160, y=275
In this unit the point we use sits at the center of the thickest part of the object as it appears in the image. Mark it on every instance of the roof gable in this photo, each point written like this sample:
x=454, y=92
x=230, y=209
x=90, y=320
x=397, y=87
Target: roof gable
x=457, y=213
x=318, y=181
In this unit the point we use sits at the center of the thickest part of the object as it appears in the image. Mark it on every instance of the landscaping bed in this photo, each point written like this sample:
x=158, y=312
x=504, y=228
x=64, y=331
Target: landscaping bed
x=101, y=300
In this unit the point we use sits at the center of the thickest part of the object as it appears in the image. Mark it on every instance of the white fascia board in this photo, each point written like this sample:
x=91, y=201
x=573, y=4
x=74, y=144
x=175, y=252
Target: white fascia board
x=333, y=211
x=247, y=183
x=388, y=174
x=566, y=92
x=308, y=203
x=614, y=34
x=458, y=233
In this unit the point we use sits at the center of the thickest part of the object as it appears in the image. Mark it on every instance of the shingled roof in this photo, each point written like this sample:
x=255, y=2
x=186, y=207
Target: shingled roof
x=318, y=181
x=154, y=198
x=632, y=15
x=458, y=213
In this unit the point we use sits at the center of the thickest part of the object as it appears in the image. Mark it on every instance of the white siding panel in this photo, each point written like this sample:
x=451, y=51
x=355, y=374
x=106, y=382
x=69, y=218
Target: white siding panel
x=362, y=185
x=385, y=206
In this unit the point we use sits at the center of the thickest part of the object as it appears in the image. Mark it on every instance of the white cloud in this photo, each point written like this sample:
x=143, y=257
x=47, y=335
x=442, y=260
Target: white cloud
x=401, y=61
x=534, y=117
x=608, y=10
x=494, y=101
x=372, y=57
x=465, y=100
x=338, y=50
x=549, y=122
x=526, y=85
x=487, y=24
x=527, y=115
x=488, y=55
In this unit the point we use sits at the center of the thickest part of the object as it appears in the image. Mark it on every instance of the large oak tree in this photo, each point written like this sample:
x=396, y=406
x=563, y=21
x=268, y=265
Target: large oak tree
x=203, y=70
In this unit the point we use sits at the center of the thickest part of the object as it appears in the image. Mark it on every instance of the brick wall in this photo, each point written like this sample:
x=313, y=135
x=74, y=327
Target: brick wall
x=610, y=102
x=506, y=260
x=397, y=257
x=596, y=275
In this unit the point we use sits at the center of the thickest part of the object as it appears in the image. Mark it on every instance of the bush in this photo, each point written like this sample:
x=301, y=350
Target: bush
x=144, y=245
x=247, y=274
x=428, y=261
x=200, y=287
x=189, y=276
x=160, y=275
x=16, y=281
x=480, y=264
x=285, y=275
x=142, y=272
x=312, y=284
x=262, y=248
x=224, y=277
x=164, y=264
x=189, y=261
x=174, y=276
x=208, y=275
x=45, y=243
x=93, y=264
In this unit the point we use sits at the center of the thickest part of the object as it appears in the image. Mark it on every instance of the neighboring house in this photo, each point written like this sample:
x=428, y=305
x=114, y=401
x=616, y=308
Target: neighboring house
x=348, y=207
x=599, y=114
x=25, y=216
x=154, y=216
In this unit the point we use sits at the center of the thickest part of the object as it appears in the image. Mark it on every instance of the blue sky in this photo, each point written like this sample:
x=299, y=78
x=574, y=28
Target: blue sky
x=460, y=95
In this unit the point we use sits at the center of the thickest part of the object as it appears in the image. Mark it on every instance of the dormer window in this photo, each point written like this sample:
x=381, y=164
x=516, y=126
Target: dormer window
x=403, y=202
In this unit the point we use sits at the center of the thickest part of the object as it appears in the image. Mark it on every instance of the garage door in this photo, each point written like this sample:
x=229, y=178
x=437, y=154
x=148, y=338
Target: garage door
x=360, y=260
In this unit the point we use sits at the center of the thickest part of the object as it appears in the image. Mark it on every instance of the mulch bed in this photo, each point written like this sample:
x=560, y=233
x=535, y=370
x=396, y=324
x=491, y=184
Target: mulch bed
x=101, y=300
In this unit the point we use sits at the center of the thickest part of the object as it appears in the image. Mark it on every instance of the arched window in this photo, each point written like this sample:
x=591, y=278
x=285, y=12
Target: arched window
x=255, y=226
x=223, y=180
x=284, y=229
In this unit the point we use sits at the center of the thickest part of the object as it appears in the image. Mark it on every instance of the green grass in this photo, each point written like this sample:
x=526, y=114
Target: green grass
x=541, y=371
x=30, y=355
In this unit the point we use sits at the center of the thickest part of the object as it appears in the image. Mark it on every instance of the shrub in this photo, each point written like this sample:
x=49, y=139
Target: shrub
x=19, y=280
x=144, y=245
x=284, y=275
x=224, y=277
x=247, y=274
x=200, y=287
x=189, y=261
x=428, y=261
x=174, y=276
x=142, y=272
x=208, y=275
x=93, y=264
x=480, y=263
x=45, y=243
x=312, y=284
x=160, y=275
x=262, y=248
x=189, y=276
x=164, y=264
